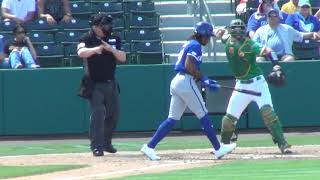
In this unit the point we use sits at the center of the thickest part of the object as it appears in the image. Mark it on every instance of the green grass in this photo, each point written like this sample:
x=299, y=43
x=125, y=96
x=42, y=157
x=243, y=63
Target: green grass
x=169, y=143
x=17, y=171
x=244, y=170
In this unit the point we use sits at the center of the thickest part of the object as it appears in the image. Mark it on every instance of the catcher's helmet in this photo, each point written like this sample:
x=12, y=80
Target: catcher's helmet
x=204, y=29
x=237, y=28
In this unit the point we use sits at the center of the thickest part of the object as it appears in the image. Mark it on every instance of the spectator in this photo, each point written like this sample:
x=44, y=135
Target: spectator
x=55, y=10
x=259, y=18
x=20, y=51
x=279, y=37
x=20, y=11
x=3, y=60
x=290, y=7
x=303, y=20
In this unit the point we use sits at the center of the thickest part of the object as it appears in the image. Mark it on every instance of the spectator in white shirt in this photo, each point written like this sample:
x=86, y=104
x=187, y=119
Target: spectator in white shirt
x=20, y=11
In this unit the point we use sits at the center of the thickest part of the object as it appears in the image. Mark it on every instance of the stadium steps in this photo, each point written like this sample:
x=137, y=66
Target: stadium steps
x=176, y=25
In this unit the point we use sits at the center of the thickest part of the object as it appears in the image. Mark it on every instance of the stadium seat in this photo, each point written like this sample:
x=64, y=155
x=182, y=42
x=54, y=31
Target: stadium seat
x=147, y=52
x=41, y=38
x=144, y=21
x=140, y=7
x=118, y=23
x=41, y=24
x=113, y=8
x=7, y=26
x=76, y=25
x=50, y=55
x=315, y=5
x=127, y=49
x=142, y=34
x=68, y=37
x=308, y=49
x=6, y=37
x=80, y=9
x=71, y=56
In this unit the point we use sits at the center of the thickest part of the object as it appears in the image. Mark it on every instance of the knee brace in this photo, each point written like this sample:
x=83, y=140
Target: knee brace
x=228, y=127
x=271, y=120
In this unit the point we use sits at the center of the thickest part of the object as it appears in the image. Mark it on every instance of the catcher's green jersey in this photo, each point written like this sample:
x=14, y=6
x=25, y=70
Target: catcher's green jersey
x=242, y=57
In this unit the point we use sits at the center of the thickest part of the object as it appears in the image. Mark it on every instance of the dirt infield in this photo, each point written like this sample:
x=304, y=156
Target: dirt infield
x=133, y=163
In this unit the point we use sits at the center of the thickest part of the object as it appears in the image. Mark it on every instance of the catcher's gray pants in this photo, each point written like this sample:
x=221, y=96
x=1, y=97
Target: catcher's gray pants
x=184, y=92
x=105, y=108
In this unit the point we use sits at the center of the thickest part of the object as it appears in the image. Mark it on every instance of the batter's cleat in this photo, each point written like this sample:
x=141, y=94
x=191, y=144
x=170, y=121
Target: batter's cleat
x=285, y=149
x=224, y=149
x=150, y=153
x=110, y=149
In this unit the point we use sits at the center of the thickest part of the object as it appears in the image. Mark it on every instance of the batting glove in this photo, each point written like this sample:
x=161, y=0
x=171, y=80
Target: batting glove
x=209, y=83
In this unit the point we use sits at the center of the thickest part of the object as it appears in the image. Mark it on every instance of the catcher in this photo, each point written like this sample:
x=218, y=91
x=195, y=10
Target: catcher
x=241, y=53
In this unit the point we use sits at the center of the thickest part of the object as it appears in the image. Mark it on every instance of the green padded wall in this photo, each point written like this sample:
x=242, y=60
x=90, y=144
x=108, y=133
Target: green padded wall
x=142, y=97
x=1, y=106
x=297, y=104
x=42, y=102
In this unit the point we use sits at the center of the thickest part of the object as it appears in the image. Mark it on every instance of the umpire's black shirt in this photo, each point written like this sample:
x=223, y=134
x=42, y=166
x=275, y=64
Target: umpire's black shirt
x=101, y=66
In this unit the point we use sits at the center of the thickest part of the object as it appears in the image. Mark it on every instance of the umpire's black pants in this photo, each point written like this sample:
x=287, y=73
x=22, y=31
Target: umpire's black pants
x=105, y=108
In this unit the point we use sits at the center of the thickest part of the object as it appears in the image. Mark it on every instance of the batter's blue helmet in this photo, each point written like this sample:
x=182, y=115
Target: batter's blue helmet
x=204, y=29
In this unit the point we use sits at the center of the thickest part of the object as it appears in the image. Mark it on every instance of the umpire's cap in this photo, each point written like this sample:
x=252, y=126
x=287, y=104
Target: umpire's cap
x=100, y=19
x=204, y=29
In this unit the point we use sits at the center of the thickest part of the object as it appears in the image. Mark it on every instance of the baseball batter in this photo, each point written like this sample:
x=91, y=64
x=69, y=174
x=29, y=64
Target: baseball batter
x=184, y=92
x=241, y=53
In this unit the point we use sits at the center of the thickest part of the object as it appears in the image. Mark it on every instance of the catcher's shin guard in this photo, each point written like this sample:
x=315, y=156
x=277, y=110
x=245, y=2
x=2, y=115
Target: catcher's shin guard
x=228, y=128
x=273, y=124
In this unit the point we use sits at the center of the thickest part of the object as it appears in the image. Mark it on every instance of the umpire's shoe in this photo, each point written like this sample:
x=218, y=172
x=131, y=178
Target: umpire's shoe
x=110, y=149
x=224, y=149
x=150, y=153
x=97, y=152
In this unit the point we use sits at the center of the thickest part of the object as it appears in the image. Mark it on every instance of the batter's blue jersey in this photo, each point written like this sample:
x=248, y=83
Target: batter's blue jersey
x=190, y=48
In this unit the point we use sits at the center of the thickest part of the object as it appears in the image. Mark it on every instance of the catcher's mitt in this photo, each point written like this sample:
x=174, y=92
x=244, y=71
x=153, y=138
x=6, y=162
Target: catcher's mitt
x=277, y=77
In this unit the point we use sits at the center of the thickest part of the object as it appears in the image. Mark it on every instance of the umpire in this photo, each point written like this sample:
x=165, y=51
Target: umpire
x=100, y=50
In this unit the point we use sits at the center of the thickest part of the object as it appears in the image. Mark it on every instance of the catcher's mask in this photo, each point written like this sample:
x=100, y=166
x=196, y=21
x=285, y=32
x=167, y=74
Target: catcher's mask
x=104, y=21
x=237, y=29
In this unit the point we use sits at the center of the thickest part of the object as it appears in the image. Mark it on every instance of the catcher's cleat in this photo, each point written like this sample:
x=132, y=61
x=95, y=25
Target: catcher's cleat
x=285, y=148
x=234, y=137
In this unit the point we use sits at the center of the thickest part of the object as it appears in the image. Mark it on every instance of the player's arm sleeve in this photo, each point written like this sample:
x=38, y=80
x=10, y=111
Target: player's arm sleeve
x=195, y=52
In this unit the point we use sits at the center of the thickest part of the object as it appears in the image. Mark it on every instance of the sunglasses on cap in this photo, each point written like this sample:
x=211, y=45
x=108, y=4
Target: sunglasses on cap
x=305, y=6
x=273, y=14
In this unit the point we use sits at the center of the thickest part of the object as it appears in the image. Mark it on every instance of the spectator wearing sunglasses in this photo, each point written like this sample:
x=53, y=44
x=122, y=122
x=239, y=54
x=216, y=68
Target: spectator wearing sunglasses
x=303, y=20
x=259, y=18
x=279, y=37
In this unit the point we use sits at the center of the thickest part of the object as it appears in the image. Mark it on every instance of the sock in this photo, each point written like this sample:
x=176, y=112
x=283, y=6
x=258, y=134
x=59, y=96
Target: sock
x=161, y=132
x=208, y=130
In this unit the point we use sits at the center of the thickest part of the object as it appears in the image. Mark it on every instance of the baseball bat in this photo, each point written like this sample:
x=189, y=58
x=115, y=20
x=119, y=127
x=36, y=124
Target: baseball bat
x=245, y=91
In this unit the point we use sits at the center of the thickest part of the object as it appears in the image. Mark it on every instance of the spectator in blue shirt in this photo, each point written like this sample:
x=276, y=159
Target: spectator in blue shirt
x=303, y=20
x=280, y=37
x=4, y=63
x=259, y=18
